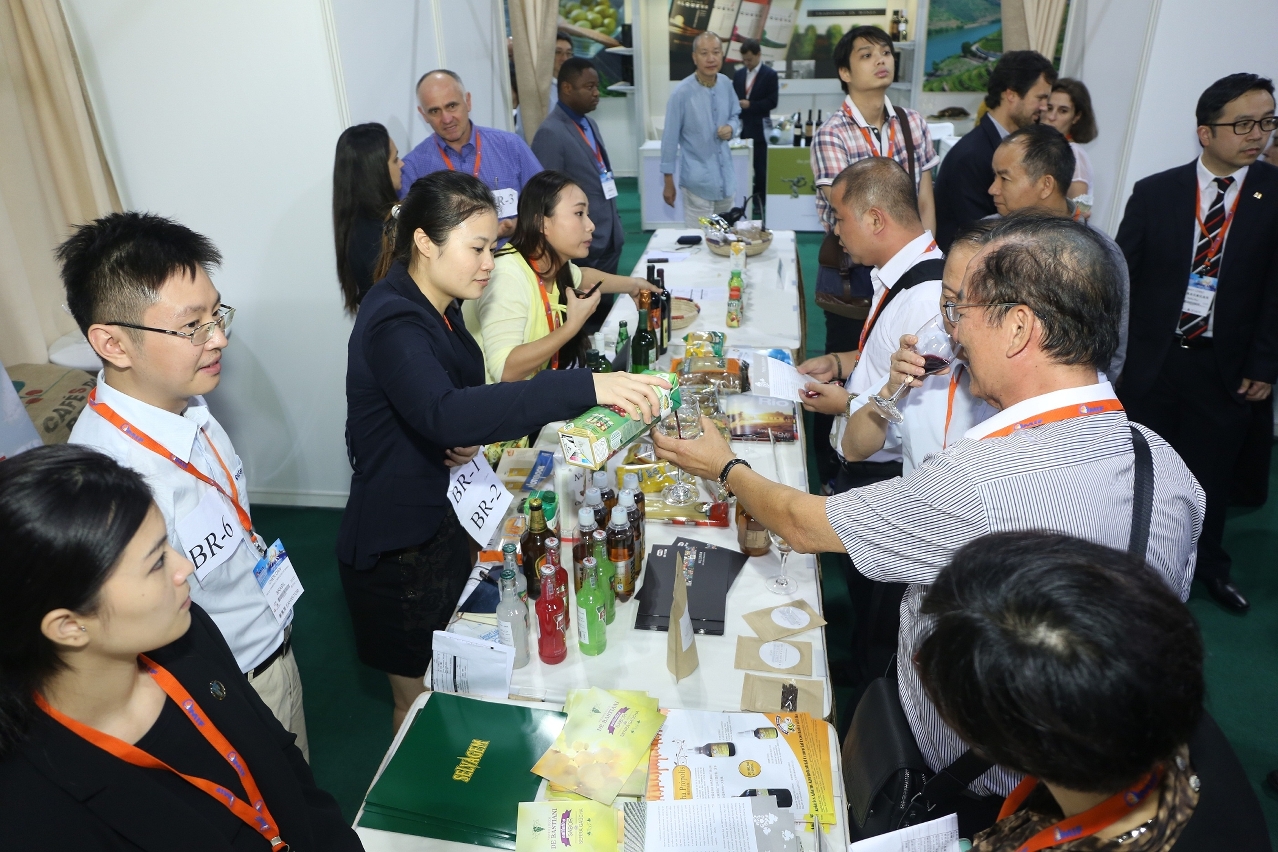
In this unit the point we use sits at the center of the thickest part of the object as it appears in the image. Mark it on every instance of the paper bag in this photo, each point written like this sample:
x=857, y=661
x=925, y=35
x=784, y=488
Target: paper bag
x=776, y=695
x=778, y=622
x=785, y=656
x=681, y=645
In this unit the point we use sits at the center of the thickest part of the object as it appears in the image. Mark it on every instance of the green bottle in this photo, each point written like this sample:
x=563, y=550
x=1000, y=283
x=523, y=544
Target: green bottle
x=596, y=363
x=623, y=334
x=607, y=572
x=592, y=612
x=645, y=343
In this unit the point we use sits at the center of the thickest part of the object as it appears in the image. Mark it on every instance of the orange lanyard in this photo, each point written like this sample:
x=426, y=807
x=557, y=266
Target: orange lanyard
x=254, y=812
x=869, y=140
x=550, y=314
x=1056, y=415
x=1224, y=229
x=1088, y=822
x=479, y=153
x=593, y=149
x=865, y=329
x=108, y=414
x=750, y=82
x=949, y=404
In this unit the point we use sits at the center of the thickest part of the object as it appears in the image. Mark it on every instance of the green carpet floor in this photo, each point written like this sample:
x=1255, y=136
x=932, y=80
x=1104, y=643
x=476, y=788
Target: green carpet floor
x=348, y=706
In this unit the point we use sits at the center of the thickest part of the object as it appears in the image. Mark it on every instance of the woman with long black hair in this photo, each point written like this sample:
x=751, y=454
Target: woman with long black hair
x=416, y=406
x=366, y=182
x=526, y=320
x=112, y=682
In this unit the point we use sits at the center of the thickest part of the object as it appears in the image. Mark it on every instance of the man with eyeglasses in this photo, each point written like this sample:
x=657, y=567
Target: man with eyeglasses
x=138, y=286
x=1036, y=315
x=1202, y=353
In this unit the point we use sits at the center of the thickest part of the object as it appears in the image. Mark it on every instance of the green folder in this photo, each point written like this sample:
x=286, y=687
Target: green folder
x=461, y=771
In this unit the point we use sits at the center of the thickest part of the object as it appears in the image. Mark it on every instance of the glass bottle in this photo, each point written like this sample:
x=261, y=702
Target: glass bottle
x=654, y=322
x=667, y=308
x=592, y=613
x=512, y=618
x=644, y=344
x=607, y=572
x=807, y=131
x=581, y=550
x=606, y=492
x=551, y=646
x=550, y=508
x=626, y=500
x=894, y=26
x=621, y=550
x=511, y=561
x=594, y=502
x=597, y=363
x=752, y=536
x=533, y=546
x=561, y=576
x=797, y=122
x=716, y=749
x=623, y=334
x=631, y=481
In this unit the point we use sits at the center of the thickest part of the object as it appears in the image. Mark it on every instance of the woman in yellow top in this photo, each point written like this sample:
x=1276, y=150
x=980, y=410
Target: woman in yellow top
x=527, y=320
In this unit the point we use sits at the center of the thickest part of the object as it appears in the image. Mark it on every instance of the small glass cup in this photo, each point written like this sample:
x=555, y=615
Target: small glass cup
x=781, y=584
x=684, y=422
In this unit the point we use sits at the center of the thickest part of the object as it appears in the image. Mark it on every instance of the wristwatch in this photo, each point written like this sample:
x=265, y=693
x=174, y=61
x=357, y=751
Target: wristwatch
x=727, y=468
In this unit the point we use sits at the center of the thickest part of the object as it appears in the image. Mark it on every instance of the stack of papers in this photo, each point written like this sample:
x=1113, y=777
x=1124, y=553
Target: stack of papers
x=710, y=572
x=462, y=770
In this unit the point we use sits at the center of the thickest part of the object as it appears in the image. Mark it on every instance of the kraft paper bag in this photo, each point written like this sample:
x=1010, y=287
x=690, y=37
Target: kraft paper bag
x=681, y=644
x=784, y=656
x=778, y=695
x=778, y=622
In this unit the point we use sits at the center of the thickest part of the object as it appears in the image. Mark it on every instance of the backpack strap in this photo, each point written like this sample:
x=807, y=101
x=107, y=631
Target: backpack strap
x=924, y=270
x=909, y=140
x=1143, y=494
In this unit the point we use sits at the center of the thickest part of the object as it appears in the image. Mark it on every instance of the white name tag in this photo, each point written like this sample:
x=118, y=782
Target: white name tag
x=609, y=184
x=478, y=498
x=210, y=533
x=507, y=203
x=278, y=581
x=1199, y=295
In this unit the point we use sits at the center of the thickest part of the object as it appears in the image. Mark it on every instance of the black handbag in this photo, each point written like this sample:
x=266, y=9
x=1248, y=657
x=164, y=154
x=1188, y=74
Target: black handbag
x=889, y=785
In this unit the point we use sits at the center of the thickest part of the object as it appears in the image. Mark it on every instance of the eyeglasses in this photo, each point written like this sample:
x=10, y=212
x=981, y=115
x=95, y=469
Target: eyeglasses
x=1242, y=128
x=952, y=314
x=200, y=335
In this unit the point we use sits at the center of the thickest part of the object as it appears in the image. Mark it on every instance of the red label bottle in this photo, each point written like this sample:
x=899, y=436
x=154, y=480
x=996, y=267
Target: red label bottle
x=551, y=645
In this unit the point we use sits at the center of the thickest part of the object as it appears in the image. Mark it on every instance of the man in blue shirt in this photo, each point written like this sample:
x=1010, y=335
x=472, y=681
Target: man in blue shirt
x=502, y=160
x=703, y=113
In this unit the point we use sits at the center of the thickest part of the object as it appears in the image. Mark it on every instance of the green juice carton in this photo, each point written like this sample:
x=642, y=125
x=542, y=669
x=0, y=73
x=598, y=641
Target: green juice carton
x=590, y=439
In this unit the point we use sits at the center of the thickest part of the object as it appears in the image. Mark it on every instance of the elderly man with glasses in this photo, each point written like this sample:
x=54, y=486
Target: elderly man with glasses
x=1036, y=315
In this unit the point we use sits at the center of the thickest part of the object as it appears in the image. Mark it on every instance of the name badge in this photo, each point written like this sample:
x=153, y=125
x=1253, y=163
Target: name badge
x=1199, y=295
x=609, y=184
x=278, y=581
x=210, y=533
x=507, y=203
x=478, y=498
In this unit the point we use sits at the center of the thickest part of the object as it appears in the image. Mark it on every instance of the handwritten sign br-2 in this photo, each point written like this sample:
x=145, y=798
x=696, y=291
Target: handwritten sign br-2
x=478, y=498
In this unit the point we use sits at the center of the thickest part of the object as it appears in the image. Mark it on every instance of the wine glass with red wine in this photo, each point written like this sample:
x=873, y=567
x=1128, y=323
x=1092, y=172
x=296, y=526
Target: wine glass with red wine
x=937, y=351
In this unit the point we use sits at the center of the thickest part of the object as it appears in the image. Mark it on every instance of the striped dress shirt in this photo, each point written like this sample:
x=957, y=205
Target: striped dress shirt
x=1073, y=476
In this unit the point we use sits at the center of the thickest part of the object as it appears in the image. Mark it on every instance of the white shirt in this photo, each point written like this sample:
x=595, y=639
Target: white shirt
x=882, y=136
x=750, y=75
x=1003, y=132
x=931, y=423
x=1073, y=476
x=1082, y=167
x=1207, y=192
x=904, y=315
x=229, y=593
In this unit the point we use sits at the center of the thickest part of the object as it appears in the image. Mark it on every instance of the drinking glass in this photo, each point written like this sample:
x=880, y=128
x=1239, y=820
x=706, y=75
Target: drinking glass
x=684, y=422
x=937, y=351
x=781, y=583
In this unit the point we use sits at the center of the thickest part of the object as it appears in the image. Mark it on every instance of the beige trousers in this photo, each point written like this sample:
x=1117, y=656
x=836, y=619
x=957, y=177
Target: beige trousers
x=280, y=686
x=695, y=207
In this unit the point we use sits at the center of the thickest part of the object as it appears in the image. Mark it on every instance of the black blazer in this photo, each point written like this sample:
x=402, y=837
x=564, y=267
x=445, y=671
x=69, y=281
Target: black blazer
x=58, y=790
x=963, y=185
x=762, y=97
x=363, y=247
x=415, y=388
x=1156, y=236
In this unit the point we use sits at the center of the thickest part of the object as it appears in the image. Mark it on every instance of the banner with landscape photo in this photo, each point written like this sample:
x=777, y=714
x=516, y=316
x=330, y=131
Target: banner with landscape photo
x=964, y=40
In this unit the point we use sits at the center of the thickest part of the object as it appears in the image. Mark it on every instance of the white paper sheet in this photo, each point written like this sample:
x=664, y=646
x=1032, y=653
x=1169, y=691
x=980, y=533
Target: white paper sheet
x=469, y=666
x=939, y=835
x=478, y=498
x=706, y=825
x=770, y=377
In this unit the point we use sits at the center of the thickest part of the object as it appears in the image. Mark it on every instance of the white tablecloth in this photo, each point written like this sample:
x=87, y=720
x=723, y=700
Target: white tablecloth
x=772, y=299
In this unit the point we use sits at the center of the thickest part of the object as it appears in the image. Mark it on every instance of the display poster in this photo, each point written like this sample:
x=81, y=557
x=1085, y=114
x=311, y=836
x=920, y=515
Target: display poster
x=595, y=26
x=964, y=40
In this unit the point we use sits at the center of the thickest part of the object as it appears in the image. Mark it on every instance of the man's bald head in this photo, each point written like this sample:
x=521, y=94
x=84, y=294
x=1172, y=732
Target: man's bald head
x=445, y=105
x=880, y=183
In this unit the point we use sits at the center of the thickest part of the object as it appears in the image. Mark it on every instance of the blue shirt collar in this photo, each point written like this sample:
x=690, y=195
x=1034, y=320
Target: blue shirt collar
x=576, y=118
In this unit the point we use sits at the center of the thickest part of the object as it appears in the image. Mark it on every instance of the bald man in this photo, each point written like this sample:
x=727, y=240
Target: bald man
x=501, y=160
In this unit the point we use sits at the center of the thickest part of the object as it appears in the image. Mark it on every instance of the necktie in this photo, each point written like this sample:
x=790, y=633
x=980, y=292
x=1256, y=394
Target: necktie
x=1205, y=262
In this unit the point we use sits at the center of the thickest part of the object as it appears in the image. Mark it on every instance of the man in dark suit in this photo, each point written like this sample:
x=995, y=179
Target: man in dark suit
x=757, y=88
x=570, y=142
x=1203, y=345
x=1019, y=88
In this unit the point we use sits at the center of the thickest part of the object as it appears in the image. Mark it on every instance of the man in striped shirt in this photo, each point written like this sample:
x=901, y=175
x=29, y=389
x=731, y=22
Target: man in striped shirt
x=1037, y=316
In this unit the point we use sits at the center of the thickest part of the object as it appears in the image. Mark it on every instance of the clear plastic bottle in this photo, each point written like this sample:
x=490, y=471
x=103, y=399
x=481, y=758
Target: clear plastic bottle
x=626, y=500
x=512, y=618
x=607, y=572
x=592, y=613
x=606, y=492
x=621, y=550
x=582, y=549
x=594, y=502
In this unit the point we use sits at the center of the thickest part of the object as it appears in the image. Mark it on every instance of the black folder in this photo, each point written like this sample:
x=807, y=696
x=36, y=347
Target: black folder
x=713, y=571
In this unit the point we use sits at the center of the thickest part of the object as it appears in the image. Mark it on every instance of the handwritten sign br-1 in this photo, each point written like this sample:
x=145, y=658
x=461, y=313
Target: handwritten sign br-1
x=478, y=498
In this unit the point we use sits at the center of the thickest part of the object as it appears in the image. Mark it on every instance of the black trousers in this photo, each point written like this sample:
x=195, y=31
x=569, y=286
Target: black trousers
x=1206, y=422
x=841, y=335
x=760, y=163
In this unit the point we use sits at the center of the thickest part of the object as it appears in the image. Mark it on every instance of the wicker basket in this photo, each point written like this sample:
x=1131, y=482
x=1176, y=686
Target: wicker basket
x=756, y=246
x=683, y=313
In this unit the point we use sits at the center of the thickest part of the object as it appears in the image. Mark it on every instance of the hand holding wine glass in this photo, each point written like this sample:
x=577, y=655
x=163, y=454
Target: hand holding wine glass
x=933, y=347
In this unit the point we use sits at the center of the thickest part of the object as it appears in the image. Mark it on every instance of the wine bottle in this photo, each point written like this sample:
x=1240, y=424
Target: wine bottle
x=623, y=334
x=818, y=124
x=905, y=26
x=621, y=550
x=894, y=27
x=807, y=131
x=667, y=303
x=607, y=572
x=797, y=120
x=592, y=613
x=596, y=363
x=533, y=546
x=512, y=618
x=643, y=345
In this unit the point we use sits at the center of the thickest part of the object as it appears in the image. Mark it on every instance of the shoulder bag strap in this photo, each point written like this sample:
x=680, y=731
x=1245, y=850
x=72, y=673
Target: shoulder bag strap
x=909, y=138
x=1143, y=496
x=924, y=270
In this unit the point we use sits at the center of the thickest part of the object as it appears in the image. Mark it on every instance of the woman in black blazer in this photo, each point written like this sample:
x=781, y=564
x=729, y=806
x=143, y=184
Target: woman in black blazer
x=106, y=667
x=366, y=182
x=416, y=406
